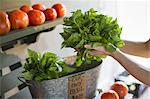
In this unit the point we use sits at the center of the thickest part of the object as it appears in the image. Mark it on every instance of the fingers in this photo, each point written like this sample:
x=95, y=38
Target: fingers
x=96, y=53
x=70, y=60
x=88, y=46
x=100, y=48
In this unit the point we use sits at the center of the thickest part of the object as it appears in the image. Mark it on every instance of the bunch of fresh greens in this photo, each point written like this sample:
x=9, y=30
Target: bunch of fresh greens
x=44, y=67
x=90, y=28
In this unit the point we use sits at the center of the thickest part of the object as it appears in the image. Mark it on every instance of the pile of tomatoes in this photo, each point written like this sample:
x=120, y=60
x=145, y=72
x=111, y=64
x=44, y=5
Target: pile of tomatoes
x=27, y=15
x=117, y=91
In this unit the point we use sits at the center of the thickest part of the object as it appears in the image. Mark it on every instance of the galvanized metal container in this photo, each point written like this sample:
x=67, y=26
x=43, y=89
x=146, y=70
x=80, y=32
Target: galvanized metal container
x=80, y=85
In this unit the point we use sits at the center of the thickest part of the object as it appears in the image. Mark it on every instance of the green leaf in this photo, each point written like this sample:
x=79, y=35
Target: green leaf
x=110, y=47
x=78, y=61
x=32, y=54
x=92, y=28
x=45, y=66
x=27, y=75
x=80, y=44
x=73, y=40
x=93, y=38
x=53, y=74
x=97, y=45
x=39, y=78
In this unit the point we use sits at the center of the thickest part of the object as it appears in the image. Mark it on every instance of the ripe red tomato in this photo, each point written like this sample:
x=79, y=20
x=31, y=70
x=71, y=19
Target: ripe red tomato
x=39, y=6
x=4, y=23
x=36, y=17
x=18, y=19
x=26, y=8
x=60, y=9
x=50, y=14
x=111, y=94
x=121, y=88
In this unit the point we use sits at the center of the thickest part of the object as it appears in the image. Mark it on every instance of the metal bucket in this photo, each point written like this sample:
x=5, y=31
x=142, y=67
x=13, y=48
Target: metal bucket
x=80, y=85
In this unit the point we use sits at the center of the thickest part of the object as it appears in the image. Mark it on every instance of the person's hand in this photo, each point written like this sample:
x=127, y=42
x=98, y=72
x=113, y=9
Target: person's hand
x=97, y=51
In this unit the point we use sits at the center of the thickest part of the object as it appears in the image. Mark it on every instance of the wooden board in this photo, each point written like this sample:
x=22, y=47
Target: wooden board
x=23, y=94
x=0, y=86
x=7, y=60
x=11, y=81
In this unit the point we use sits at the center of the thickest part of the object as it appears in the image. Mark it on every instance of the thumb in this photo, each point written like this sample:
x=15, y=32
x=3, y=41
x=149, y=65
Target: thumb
x=88, y=46
x=100, y=48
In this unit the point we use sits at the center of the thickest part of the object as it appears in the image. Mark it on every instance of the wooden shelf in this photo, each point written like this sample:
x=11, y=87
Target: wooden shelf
x=17, y=34
x=11, y=66
x=8, y=60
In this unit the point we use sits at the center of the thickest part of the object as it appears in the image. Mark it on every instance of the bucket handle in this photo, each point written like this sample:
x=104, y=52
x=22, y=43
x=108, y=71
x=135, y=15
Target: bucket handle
x=24, y=82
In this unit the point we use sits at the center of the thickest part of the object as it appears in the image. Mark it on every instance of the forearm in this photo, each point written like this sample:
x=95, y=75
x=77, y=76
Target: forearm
x=140, y=72
x=136, y=48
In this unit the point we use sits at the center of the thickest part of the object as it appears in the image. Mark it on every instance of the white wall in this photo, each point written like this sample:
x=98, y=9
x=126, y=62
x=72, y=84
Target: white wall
x=134, y=17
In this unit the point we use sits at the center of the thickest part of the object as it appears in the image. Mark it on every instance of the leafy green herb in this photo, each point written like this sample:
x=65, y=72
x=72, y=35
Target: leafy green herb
x=44, y=67
x=90, y=28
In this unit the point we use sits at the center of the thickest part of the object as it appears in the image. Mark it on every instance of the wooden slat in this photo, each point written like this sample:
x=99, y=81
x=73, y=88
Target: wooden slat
x=10, y=80
x=23, y=94
x=14, y=91
x=11, y=68
x=11, y=92
x=0, y=86
x=0, y=73
x=7, y=60
x=16, y=34
x=6, y=71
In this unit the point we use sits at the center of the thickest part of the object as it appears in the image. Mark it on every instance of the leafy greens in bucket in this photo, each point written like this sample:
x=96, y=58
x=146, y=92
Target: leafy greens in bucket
x=44, y=67
x=90, y=28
